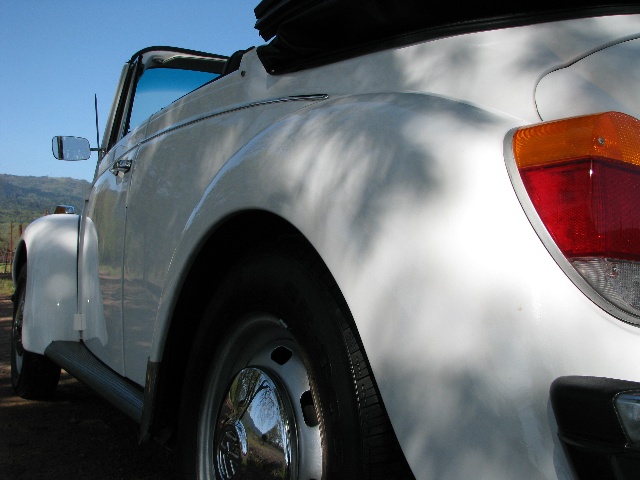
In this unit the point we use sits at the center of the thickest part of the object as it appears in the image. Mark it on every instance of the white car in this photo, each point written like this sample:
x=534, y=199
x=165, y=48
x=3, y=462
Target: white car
x=397, y=241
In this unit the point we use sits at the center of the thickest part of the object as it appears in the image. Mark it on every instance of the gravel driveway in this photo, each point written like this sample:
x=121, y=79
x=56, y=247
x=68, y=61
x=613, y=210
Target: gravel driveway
x=74, y=435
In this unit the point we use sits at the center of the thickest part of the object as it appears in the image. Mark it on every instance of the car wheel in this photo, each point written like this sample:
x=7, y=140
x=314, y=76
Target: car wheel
x=278, y=385
x=33, y=376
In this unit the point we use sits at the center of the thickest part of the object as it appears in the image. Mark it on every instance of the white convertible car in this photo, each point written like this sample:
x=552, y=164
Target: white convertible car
x=399, y=240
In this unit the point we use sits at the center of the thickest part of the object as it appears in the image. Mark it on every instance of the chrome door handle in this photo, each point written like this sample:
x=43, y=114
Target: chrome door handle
x=121, y=166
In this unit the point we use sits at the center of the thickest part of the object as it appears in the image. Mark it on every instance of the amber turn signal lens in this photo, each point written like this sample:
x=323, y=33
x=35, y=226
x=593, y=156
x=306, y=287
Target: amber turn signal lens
x=611, y=135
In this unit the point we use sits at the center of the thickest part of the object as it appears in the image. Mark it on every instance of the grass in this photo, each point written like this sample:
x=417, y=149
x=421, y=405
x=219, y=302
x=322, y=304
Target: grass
x=6, y=285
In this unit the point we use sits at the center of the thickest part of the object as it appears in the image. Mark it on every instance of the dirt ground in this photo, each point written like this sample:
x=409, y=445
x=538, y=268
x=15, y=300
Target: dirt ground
x=74, y=435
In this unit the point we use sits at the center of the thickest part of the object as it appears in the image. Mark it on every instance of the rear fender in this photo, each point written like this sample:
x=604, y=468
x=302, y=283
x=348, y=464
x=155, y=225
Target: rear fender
x=51, y=246
x=341, y=171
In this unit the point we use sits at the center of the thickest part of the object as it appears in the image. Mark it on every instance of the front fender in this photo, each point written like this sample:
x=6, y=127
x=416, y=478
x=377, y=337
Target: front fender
x=51, y=246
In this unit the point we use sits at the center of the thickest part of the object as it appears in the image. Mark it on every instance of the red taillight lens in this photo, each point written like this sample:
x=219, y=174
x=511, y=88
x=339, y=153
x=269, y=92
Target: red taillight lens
x=591, y=207
x=583, y=177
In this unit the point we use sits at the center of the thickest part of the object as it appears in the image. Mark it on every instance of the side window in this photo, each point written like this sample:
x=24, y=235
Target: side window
x=153, y=79
x=159, y=87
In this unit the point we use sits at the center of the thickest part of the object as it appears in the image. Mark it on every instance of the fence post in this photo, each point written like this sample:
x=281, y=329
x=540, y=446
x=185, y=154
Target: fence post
x=10, y=248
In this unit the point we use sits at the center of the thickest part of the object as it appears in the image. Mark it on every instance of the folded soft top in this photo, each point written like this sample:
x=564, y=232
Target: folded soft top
x=308, y=33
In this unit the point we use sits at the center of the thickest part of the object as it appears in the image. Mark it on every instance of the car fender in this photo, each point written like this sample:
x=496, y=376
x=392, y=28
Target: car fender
x=373, y=182
x=339, y=170
x=407, y=199
x=51, y=245
x=347, y=173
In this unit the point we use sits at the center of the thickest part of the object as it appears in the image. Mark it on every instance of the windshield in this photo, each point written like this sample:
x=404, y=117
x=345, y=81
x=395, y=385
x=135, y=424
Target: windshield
x=159, y=87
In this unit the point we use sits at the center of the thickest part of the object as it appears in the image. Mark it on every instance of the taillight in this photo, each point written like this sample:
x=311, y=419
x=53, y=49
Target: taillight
x=583, y=178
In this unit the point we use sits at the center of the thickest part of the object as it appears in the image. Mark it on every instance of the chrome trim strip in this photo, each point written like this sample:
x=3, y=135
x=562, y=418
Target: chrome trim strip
x=293, y=98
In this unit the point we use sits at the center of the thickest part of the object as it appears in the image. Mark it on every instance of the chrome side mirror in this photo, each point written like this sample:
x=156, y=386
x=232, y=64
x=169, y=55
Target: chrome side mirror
x=70, y=149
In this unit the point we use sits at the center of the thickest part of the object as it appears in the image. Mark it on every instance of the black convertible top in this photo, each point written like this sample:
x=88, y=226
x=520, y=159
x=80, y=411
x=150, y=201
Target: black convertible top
x=309, y=33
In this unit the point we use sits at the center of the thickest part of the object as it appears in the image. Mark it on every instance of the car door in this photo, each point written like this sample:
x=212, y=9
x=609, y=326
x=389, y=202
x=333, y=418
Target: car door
x=106, y=212
x=103, y=229
x=146, y=86
x=152, y=198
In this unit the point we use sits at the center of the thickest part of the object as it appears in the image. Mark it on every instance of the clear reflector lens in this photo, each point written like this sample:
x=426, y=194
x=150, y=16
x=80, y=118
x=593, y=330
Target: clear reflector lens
x=617, y=280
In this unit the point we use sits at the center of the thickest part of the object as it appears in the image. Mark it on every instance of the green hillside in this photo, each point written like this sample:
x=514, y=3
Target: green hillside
x=23, y=199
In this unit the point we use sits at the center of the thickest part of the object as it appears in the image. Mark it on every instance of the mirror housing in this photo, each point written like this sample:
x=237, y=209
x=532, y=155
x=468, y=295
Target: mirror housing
x=70, y=149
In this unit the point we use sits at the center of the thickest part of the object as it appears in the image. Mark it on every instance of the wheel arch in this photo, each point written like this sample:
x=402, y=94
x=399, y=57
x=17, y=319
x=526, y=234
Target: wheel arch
x=219, y=252
x=224, y=245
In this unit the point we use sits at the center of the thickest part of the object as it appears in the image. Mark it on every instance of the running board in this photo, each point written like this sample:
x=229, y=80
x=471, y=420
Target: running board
x=76, y=359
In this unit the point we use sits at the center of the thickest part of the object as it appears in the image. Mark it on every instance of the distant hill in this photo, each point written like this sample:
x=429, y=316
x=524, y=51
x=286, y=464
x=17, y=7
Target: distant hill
x=23, y=199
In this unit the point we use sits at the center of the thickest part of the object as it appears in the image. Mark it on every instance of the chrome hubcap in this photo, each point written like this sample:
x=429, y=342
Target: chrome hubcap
x=254, y=429
x=262, y=422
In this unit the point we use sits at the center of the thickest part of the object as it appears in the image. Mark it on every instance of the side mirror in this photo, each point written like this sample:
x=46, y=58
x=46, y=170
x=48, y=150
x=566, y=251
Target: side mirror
x=71, y=149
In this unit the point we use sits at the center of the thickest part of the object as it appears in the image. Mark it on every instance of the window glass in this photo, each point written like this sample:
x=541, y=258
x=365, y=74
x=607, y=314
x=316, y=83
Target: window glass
x=158, y=87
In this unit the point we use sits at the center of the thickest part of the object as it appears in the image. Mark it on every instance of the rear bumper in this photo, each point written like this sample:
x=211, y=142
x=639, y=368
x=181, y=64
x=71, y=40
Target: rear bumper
x=591, y=429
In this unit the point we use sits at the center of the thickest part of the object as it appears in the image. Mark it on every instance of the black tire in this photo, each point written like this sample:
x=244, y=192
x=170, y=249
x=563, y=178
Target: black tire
x=33, y=376
x=279, y=321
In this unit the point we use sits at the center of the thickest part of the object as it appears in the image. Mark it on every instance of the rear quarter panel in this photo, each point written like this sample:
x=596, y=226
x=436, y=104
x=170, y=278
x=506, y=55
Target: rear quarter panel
x=464, y=316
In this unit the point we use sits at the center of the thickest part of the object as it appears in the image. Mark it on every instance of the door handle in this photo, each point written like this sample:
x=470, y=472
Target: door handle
x=121, y=166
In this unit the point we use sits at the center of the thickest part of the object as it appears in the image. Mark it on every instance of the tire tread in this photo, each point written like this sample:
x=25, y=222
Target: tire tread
x=381, y=453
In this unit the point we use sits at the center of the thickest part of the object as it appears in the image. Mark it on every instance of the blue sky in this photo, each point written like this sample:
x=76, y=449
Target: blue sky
x=57, y=54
